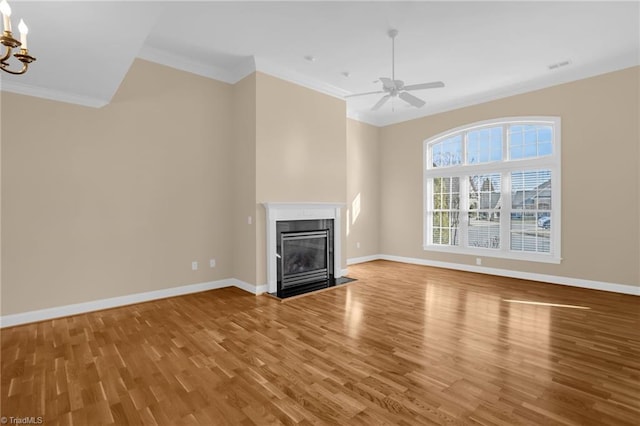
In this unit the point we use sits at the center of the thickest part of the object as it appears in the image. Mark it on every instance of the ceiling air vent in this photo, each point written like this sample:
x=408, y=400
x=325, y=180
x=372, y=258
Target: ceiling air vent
x=559, y=65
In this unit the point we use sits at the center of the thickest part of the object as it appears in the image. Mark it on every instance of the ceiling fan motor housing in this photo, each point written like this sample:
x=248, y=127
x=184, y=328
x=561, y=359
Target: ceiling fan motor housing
x=392, y=86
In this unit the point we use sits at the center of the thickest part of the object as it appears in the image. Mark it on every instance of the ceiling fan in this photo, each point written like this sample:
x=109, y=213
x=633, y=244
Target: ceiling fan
x=393, y=87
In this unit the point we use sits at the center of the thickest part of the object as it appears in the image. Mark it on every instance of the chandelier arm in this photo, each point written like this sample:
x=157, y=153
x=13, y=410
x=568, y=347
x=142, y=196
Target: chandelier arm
x=9, y=43
x=5, y=67
x=23, y=56
x=7, y=54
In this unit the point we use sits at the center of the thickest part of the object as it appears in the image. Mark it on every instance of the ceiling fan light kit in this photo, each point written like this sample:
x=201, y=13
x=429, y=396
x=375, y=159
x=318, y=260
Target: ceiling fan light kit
x=396, y=88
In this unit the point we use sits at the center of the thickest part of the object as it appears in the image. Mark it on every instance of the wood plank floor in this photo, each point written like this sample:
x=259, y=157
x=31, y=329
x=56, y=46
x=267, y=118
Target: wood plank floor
x=404, y=345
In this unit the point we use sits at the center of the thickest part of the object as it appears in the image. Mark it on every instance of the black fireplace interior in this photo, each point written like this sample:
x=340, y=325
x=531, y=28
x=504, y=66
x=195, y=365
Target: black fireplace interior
x=305, y=256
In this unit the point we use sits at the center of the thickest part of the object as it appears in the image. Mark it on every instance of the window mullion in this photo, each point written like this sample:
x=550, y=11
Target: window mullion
x=505, y=216
x=464, y=194
x=464, y=148
x=464, y=209
x=505, y=144
x=428, y=214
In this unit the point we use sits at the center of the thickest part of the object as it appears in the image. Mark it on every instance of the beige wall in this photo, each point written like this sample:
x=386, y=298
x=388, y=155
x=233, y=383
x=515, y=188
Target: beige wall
x=98, y=203
x=600, y=183
x=300, y=150
x=363, y=189
x=243, y=179
x=300, y=143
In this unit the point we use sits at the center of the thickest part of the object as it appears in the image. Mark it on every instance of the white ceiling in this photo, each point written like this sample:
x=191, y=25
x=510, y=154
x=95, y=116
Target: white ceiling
x=481, y=50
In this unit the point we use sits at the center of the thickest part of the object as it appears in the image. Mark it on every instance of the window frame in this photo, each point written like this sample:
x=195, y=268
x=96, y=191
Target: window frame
x=504, y=167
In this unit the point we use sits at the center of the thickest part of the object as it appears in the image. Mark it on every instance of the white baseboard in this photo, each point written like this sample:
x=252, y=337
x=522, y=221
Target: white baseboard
x=363, y=259
x=249, y=287
x=553, y=279
x=115, y=302
x=574, y=282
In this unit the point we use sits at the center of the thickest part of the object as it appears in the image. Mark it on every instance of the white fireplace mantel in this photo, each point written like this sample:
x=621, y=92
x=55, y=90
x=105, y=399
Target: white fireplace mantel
x=300, y=211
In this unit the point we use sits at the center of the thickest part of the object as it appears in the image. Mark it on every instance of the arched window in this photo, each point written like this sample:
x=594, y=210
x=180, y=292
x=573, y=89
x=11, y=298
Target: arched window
x=493, y=189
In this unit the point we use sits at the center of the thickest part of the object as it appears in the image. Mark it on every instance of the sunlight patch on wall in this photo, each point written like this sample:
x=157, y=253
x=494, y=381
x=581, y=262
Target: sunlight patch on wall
x=348, y=222
x=355, y=207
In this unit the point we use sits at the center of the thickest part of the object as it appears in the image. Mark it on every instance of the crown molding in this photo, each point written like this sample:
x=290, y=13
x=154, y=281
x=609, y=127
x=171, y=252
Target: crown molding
x=240, y=71
x=183, y=63
x=292, y=76
x=54, y=95
x=553, y=78
x=251, y=64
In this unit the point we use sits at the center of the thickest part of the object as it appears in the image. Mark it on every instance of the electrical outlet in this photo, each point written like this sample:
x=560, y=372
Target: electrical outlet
x=478, y=261
x=358, y=244
x=194, y=266
x=249, y=220
x=212, y=263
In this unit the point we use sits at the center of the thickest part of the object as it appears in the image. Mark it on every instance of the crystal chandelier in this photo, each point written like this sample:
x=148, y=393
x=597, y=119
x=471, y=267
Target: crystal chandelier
x=11, y=43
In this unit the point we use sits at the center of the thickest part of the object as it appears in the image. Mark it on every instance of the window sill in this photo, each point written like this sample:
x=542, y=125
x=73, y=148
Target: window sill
x=510, y=255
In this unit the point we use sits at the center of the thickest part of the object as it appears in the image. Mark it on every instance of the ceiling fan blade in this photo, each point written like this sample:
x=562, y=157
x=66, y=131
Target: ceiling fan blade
x=387, y=83
x=432, y=85
x=408, y=97
x=366, y=93
x=380, y=103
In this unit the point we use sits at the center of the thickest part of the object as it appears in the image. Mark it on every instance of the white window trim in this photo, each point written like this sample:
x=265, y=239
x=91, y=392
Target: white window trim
x=552, y=162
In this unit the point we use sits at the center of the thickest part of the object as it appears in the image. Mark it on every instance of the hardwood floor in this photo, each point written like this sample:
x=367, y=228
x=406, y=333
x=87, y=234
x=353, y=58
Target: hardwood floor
x=404, y=345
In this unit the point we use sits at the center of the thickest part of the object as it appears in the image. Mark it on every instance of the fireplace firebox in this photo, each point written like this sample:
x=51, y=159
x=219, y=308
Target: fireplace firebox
x=305, y=256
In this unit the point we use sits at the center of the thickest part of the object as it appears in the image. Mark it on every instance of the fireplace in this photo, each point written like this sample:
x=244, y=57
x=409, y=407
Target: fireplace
x=308, y=235
x=305, y=255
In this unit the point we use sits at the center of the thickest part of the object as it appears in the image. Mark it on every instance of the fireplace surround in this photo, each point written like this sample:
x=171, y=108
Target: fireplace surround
x=309, y=229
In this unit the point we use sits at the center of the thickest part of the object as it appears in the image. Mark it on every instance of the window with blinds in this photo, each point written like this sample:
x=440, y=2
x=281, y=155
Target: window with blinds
x=492, y=189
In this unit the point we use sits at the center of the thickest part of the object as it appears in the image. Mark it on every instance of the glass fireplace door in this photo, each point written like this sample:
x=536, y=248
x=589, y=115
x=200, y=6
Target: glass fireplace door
x=304, y=257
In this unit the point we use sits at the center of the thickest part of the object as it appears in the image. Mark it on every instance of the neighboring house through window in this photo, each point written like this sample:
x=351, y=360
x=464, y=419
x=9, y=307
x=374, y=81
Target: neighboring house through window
x=493, y=189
